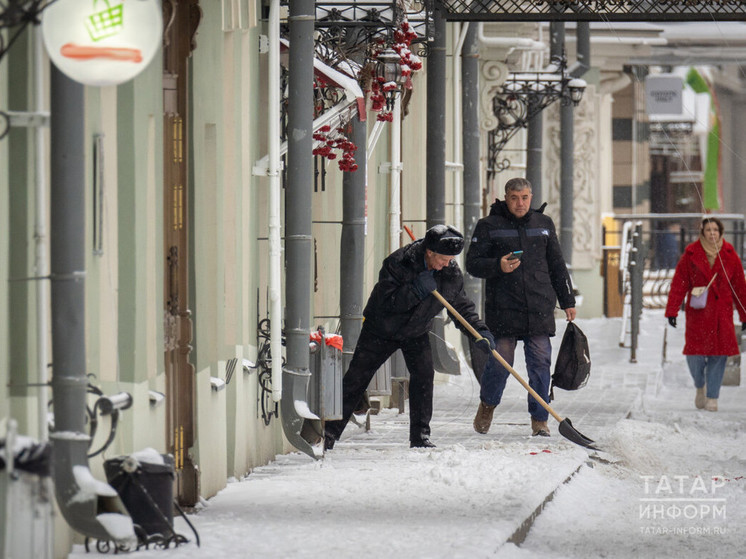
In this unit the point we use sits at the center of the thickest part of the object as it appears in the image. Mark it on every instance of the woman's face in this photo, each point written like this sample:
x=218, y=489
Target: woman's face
x=711, y=232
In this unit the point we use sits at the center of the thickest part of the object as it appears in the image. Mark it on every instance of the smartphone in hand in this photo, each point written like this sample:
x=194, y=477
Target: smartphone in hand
x=515, y=255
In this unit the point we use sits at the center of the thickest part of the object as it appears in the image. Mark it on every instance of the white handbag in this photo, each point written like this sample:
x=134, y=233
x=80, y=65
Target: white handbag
x=698, y=300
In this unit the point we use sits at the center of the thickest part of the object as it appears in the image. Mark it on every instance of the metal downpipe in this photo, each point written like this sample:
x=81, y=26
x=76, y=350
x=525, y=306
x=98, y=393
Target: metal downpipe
x=471, y=149
x=352, y=247
x=89, y=506
x=396, y=169
x=567, y=146
x=302, y=427
x=470, y=133
x=444, y=358
x=274, y=197
x=436, y=124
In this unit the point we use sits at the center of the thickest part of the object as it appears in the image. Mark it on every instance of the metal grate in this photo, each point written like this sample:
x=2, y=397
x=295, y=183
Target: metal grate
x=593, y=10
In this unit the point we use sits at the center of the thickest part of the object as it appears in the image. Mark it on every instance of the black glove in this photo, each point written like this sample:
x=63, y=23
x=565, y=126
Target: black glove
x=487, y=342
x=672, y=321
x=425, y=284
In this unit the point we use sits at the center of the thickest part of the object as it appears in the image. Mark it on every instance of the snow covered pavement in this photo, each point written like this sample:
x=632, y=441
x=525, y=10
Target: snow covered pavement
x=671, y=481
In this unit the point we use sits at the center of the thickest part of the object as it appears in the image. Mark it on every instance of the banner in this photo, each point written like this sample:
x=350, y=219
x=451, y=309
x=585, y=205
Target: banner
x=712, y=191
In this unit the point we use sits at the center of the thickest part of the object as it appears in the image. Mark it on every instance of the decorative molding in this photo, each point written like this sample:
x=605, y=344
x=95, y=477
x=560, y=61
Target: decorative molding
x=586, y=176
x=493, y=74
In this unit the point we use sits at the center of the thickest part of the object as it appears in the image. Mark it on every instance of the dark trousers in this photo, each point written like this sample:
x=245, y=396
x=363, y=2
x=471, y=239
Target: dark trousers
x=538, y=352
x=370, y=353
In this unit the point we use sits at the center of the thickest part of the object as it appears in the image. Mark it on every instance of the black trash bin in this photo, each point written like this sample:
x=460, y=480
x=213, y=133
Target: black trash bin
x=146, y=489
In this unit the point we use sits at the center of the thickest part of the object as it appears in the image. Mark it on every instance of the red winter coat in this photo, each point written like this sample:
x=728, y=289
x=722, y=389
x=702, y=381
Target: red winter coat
x=709, y=331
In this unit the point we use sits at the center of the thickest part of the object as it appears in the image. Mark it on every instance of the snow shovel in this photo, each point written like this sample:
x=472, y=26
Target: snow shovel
x=565, y=426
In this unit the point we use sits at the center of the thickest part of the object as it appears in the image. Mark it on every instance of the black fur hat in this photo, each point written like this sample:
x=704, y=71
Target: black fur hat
x=444, y=239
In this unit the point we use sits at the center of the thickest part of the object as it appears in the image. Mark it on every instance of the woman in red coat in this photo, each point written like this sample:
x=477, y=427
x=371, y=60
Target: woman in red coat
x=710, y=335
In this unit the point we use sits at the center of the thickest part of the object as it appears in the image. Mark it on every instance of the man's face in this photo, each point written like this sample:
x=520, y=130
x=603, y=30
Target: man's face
x=518, y=201
x=437, y=261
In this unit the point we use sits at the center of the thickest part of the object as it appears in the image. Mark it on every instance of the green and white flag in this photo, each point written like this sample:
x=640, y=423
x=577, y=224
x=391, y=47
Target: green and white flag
x=712, y=192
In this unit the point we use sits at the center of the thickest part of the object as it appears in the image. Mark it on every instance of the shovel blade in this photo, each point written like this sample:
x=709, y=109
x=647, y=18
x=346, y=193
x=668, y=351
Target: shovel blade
x=571, y=434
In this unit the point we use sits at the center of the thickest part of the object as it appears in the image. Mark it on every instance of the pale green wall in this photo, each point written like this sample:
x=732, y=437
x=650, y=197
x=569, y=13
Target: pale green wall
x=20, y=262
x=139, y=136
x=228, y=88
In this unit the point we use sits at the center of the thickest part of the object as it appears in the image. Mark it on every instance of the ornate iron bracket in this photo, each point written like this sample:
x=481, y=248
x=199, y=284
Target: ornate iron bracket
x=522, y=97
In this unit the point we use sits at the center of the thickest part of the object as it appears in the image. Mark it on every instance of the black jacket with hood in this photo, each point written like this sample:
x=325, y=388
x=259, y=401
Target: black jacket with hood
x=395, y=312
x=521, y=303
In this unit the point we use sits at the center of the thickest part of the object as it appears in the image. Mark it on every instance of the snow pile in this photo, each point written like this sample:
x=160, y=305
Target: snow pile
x=670, y=481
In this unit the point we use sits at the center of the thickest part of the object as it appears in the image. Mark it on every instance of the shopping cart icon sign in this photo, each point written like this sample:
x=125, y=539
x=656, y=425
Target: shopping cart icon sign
x=105, y=23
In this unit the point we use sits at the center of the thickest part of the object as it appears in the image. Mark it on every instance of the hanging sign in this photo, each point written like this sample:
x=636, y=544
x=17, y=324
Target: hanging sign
x=664, y=94
x=102, y=42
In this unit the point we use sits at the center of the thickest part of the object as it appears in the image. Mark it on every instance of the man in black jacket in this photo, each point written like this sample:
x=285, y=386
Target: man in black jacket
x=399, y=315
x=522, y=291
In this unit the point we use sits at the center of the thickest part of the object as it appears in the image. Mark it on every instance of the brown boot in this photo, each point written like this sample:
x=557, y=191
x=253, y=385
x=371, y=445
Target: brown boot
x=711, y=404
x=539, y=428
x=483, y=419
x=699, y=399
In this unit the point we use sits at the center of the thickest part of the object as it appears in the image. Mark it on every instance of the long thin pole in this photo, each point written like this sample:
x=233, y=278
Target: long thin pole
x=41, y=239
x=298, y=226
x=273, y=171
x=352, y=248
x=436, y=124
x=396, y=168
x=471, y=149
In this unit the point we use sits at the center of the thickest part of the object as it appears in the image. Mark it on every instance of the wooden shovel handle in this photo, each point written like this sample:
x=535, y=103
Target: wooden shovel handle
x=499, y=357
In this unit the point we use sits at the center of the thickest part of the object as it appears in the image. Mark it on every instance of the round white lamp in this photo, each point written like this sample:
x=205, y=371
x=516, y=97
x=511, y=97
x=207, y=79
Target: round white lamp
x=102, y=42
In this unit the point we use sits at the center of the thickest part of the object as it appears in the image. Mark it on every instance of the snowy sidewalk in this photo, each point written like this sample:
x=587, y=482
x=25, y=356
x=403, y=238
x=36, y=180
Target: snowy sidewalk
x=373, y=496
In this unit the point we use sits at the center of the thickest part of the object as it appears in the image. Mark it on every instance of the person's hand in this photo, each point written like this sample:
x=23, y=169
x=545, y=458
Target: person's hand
x=743, y=327
x=672, y=321
x=425, y=284
x=570, y=313
x=507, y=266
x=487, y=342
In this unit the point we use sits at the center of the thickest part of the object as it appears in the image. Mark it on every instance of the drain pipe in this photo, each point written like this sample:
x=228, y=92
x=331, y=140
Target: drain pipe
x=89, y=506
x=273, y=172
x=567, y=144
x=472, y=209
x=396, y=168
x=471, y=149
x=301, y=426
x=436, y=124
x=352, y=247
x=458, y=160
x=41, y=265
x=444, y=358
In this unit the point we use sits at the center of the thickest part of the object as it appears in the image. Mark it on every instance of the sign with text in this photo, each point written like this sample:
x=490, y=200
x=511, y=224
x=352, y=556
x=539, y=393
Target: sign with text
x=663, y=94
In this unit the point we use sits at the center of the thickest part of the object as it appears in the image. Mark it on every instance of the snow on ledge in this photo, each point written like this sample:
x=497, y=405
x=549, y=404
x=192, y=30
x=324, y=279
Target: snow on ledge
x=89, y=487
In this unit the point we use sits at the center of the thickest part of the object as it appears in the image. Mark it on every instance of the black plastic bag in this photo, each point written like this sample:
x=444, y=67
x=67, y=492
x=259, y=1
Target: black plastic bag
x=573, y=366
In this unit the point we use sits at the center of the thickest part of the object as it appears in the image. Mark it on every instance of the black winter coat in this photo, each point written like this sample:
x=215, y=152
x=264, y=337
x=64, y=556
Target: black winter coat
x=521, y=303
x=395, y=312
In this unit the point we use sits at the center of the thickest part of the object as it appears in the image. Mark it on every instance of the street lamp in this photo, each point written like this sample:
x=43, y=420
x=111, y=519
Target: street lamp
x=522, y=97
x=389, y=74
